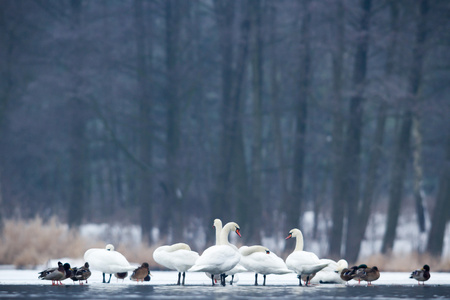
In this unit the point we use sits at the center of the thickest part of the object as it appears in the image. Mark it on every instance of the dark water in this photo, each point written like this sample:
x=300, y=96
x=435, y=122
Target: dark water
x=229, y=292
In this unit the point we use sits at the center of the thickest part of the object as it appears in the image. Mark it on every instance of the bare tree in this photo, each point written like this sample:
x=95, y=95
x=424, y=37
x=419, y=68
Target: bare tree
x=402, y=149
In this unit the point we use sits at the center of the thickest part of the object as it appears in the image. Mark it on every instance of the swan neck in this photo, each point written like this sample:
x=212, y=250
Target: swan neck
x=224, y=234
x=299, y=242
x=218, y=231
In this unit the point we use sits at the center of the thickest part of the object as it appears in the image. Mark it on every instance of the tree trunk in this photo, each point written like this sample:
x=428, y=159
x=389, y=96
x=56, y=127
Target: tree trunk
x=257, y=124
x=224, y=12
x=6, y=52
x=143, y=65
x=376, y=150
x=174, y=191
x=77, y=125
x=441, y=212
x=276, y=120
x=352, y=147
x=418, y=173
x=245, y=211
x=295, y=209
x=337, y=214
x=402, y=149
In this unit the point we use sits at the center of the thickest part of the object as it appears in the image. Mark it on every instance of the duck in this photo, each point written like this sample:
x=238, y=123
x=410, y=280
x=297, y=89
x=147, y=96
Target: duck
x=332, y=272
x=348, y=274
x=368, y=274
x=142, y=273
x=121, y=275
x=56, y=275
x=107, y=261
x=261, y=260
x=359, y=272
x=81, y=274
x=302, y=262
x=421, y=274
x=219, y=259
x=177, y=257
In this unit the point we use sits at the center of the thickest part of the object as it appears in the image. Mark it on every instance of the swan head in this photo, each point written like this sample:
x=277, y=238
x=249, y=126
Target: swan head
x=109, y=247
x=342, y=264
x=294, y=233
x=217, y=223
x=238, y=230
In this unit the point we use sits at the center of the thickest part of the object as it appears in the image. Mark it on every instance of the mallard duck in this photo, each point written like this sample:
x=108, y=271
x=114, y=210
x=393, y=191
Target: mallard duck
x=56, y=275
x=121, y=275
x=421, y=274
x=81, y=274
x=359, y=272
x=348, y=274
x=141, y=273
x=369, y=274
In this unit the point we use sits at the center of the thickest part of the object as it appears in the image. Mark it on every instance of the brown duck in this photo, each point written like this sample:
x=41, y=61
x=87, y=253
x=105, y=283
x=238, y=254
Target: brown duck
x=348, y=274
x=81, y=274
x=421, y=274
x=56, y=274
x=369, y=274
x=121, y=275
x=141, y=273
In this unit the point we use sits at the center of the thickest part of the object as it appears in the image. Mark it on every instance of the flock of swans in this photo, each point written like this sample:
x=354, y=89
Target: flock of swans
x=222, y=260
x=225, y=259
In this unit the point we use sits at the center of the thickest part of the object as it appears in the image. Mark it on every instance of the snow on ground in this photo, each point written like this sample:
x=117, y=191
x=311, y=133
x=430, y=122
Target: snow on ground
x=30, y=277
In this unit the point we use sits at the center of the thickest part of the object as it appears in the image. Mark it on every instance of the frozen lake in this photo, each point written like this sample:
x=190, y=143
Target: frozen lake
x=23, y=284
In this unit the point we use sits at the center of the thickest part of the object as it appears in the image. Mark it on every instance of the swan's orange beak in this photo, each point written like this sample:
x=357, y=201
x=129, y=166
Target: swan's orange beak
x=238, y=232
x=289, y=236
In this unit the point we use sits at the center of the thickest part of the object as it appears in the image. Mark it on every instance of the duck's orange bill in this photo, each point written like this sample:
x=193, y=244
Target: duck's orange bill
x=289, y=236
x=238, y=233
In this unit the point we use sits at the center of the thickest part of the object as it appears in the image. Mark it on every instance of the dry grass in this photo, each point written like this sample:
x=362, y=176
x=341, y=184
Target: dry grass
x=406, y=262
x=33, y=242
x=29, y=243
x=139, y=253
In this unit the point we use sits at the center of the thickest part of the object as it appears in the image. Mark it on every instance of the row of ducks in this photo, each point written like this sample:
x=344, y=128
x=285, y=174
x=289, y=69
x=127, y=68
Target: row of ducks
x=225, y=259
x=82, y=274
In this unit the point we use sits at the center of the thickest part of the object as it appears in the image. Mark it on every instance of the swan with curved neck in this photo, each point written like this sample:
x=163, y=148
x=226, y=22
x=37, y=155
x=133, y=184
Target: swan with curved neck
x=331, y=273
x=302, y=262
x=177, y=257
x=261, y=260
x=219, y=259
x=108, y=261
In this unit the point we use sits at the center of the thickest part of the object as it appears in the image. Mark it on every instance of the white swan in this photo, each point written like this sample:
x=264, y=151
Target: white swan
x=107, y=261
x=220, y=258
x=178, y=257
x=331, y=273
x=237, y=269
x=302, y=262
x=261, y=260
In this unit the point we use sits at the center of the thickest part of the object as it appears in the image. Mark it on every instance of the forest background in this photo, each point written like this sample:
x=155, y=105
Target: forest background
x=166, y=114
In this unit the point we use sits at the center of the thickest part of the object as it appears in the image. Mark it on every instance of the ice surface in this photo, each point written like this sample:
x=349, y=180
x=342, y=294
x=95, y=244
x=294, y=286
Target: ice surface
x=30, y=277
